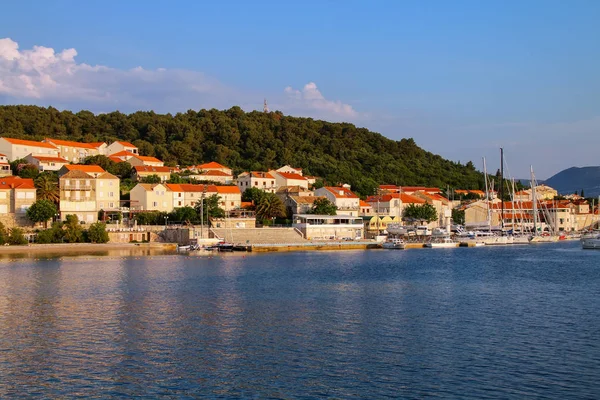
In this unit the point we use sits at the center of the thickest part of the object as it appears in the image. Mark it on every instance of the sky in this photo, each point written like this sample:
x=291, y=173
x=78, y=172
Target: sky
x=463, y=78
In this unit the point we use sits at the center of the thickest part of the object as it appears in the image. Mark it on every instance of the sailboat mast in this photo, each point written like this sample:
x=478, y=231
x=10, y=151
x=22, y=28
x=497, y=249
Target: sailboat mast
x=502, y=188
x=534, y=203
x=487, y=196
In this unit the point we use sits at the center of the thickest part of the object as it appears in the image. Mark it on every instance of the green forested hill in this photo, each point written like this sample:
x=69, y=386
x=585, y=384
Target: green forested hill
x=337, y=152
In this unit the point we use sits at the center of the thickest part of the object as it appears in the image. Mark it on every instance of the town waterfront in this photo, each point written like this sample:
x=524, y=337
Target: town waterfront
x=489, y=322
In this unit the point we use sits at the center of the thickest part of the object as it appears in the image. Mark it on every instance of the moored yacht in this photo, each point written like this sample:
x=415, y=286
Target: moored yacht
x=393, y=244
x=591, y=241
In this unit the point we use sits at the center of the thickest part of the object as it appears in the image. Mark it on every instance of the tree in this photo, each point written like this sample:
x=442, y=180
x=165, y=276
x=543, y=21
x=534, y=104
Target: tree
x=269, y=206
x=16, y=237
x=458, y=216
x=184, y=214
x=424, y=212
x=97, y=233
x=3, y=234
x=582, y=193
x=253, y=194
x=151, y=179
x=41, y=211
x=210, y=207
x=47, y=187
x=27, y=171
x=73, y=233
x=323, y=207
x=53, y=235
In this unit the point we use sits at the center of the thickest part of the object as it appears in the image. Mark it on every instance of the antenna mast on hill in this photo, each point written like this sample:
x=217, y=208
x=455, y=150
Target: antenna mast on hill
x=265, y=107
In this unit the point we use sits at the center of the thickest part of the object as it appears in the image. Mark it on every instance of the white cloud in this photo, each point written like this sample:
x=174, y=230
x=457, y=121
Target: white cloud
x=42, y=75
x=310, y=98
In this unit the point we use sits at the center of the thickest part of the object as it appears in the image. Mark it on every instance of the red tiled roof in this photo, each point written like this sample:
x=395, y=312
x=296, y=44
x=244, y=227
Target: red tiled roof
x=115, y=159
x=143, y=158
x=363, y=203
x=51, y=159
x=84, y=168
x=29, y=143
x=228, y=189
x=291, y=175
x=261, y=174
x=124, y=153
x=15, y=182
x=97, y=144
x=405, y=198
x=341, y=192
x=70, y=143
x=211, y=165
x=126, y=144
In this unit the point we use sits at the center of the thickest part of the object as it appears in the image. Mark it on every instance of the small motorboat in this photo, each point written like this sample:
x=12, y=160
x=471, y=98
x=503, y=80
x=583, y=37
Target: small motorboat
x=393, y=244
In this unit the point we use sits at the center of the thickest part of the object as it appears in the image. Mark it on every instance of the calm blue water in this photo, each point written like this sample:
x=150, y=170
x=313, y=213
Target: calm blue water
x=504, y=322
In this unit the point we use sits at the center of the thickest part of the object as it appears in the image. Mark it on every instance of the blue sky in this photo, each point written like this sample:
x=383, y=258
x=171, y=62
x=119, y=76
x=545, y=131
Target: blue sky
x=461, y=77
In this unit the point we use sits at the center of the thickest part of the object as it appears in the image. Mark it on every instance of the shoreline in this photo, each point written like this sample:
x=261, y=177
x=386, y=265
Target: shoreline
x=84, y=248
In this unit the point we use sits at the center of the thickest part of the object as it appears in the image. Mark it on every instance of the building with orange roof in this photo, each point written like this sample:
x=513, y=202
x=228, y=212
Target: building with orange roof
x=118, y=146
x=288, y=179
x=75, y=151
x=16, y=196
x=4, y=166
x=144, y=160
x=143, y=171
x=86, y=193
x=184, y=195
x=213, y=175
x=121, y=156
x=407, y=189
x=343, y=198
x=93, y=170
x=44, y=163
x=365, y=209
x=392, y=203
x=15, y=149
x=213, y=166
x=152, y=197
x=257, y=179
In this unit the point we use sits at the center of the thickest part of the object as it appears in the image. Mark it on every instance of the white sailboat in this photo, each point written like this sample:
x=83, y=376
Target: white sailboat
x=490, y=239
x=537, y=237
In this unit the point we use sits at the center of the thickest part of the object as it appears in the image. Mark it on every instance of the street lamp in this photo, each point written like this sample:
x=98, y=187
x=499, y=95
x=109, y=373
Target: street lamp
x=166, y=221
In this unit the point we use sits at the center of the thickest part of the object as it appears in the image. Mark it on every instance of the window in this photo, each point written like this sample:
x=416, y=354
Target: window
x=110, y=183
x=20, y=195
x=87, y=193
x=154, y=204
x=101, y=183
x=100, y=194
x=264, y=183
x=67, y=182
x=101, y=205
x=179, y=194
x=255, y=183
x=77, y=195
x=272, y=183
x=179, y=203
x=111, y=194
x=232, y=203
x=111, y=205
x=2, y=195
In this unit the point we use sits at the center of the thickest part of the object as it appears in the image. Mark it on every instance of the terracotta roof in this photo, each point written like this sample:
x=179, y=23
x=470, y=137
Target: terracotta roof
x=291, y=175
x=228, y=189
x=261, y=174
x=148, y=186
x=70, y=143
x=15, y=182
x=30, y=143
x=115, y=159
x=191, y=187
x=363, y=203
x=211, y=165
x=290, y=167
x=96, y=144
x=76, y=174
x=124, y=153
x=246, y=204
x=214, y=172
x=479, y=192
x=150, y=168
x=126, y=144
x=292, y=188
x=107, y=175
x=84, y=168
x=341, y=192
x=50, y=159
x=2, y=155
x=143, y=158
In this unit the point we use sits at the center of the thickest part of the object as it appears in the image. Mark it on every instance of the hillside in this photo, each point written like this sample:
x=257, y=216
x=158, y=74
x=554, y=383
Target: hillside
x=575, y=179
x=337, y=152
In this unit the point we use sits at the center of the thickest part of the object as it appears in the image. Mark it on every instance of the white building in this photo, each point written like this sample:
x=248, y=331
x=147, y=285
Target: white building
x=346, y=202
x=15, y=149
x=257, y=179
x=329, y=227
x=118, y=146
x=44, y=163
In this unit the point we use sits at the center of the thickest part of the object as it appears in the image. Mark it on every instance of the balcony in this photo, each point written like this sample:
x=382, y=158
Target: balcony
x=76, y=188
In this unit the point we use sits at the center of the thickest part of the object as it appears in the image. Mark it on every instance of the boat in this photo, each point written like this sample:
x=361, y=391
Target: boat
x=224, y=246
x=396, y=228
x=445, y=242
x=393, y=244
x=591, y=241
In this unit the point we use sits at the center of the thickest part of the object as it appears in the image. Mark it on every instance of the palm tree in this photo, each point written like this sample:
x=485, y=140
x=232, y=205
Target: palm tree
x=47, y=188
x=270, y=206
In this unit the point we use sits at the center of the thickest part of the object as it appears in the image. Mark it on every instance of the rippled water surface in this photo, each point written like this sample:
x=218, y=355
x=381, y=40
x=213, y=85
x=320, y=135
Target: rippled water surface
x=504, y=322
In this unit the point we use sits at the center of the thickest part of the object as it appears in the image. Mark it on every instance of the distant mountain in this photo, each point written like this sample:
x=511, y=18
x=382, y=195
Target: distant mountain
x=575, y=179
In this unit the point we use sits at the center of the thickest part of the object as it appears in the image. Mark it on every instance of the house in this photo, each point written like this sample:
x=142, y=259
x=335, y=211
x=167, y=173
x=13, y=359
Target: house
x=73, y=151
x=329, y=227
x=300, y=204
x=4, y=166
x=44, y=163
x=230, y=197
x=187, y=194
x=16, y=196
x=212, y=166
x=443, y=206
x=118, y=146
x=257, y=179
x=84, y=194
x=143, y=160
x=151, y=197
x=15, y=149
x=143, y=171
x=346, y=202
x=365, y=209
x=392, y=203
x=289, y=179
x=93, y=170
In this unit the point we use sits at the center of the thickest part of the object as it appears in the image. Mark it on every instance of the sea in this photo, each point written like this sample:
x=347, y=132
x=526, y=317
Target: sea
x=507, y=322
